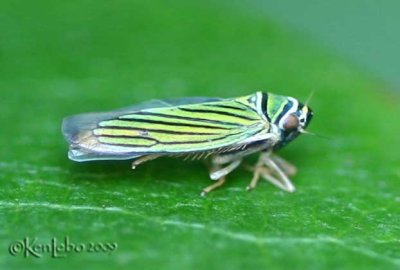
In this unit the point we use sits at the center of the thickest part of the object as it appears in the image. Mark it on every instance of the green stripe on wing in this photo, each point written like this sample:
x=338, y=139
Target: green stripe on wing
x=184, y=128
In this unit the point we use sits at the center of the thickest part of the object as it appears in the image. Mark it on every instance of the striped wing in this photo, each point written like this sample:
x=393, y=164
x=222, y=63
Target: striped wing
x=177, y=126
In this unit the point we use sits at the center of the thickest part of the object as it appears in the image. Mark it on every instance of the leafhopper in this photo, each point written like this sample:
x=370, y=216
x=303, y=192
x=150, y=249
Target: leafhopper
x=224, y=130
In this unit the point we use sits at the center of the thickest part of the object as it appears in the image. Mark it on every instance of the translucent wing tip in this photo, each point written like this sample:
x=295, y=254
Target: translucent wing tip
x=75, y=153
x=79, y=154
x=74, y=126
x=83, y=145
x=77, y=130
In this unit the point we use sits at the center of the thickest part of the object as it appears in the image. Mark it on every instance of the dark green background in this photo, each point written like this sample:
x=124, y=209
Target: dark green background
x=60, y=58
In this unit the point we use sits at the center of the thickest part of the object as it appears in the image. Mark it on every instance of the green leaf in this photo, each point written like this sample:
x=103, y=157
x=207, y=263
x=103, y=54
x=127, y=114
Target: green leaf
x=63, y=58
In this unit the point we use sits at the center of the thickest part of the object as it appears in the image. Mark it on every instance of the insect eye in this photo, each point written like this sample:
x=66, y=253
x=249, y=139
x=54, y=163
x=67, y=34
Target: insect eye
x=291, y=122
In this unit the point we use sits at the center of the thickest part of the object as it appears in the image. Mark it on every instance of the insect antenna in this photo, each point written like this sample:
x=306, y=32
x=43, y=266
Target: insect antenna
x=302, y=131
x=310, y=96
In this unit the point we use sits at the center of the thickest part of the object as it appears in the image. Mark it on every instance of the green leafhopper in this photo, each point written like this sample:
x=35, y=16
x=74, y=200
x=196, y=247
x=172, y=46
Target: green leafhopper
x=226, y=130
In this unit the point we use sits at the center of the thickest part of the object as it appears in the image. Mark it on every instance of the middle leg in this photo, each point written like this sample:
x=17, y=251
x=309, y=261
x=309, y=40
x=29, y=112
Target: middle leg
x=219, y=173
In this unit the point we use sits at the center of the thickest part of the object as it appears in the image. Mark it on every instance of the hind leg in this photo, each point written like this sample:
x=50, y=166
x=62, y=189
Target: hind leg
x=143, y=159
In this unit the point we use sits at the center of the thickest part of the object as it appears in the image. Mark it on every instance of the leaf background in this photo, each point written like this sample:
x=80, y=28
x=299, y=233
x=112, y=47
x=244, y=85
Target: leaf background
x=60, y=59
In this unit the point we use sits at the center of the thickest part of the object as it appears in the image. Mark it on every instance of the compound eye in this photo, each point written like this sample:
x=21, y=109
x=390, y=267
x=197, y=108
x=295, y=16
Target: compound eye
x=291, y=122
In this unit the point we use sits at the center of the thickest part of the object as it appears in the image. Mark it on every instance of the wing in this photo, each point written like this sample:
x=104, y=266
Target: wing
x=165, y=127
x=158, y=103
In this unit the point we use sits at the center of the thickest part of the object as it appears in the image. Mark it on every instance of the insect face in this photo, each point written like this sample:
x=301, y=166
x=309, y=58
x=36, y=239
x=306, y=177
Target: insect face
x=294, y=121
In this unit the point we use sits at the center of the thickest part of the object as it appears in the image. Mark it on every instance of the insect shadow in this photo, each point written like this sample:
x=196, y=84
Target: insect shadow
x=166, y=170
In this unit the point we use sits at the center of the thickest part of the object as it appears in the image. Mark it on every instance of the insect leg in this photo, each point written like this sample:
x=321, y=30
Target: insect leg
x=210, y=188
x=143, y=159
x=266, y=174
x=256, y=175
x=220, y=175
x=281, y=180
x=287, y=168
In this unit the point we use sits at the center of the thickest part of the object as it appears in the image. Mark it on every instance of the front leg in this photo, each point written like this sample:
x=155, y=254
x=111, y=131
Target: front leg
x=288, y=168
x=267, y=167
